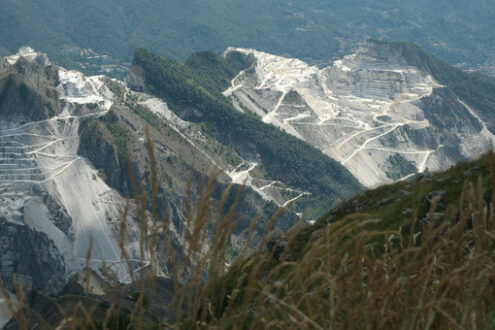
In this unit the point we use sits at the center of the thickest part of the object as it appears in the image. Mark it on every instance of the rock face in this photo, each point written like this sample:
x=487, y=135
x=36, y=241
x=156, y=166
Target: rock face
x=52, y=201
x=64, y=176
x=4, y=64
x=41, y=265
x=380, y=117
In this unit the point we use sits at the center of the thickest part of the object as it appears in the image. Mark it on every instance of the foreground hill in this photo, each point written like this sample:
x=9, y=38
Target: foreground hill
x=410, y=255
x=414, y=254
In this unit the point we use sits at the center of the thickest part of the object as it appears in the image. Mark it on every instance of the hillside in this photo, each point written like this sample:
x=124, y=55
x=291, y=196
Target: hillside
x=311, y=30
x=412, y=255
x=398, y=256
x=68, y=143
x=385, y=111
x=193, y=91
x=476, y=89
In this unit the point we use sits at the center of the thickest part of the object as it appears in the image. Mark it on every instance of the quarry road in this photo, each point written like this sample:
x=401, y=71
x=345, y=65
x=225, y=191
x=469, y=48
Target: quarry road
x=363, y=146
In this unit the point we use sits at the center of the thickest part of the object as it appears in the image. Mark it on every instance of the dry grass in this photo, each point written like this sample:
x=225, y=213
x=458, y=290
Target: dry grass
x=348, y=275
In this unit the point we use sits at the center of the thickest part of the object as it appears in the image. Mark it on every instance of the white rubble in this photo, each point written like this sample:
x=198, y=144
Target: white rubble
x=28, y=53
x=41, y=158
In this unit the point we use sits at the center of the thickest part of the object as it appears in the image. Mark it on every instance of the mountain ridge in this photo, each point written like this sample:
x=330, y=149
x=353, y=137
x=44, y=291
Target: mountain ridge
x=187, y=93
x=384, y=101
x=308, y=30
x=64, y=173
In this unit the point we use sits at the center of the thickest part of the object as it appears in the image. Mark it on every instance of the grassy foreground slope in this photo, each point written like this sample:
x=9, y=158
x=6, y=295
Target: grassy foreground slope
x=193, y=90
x=412, y=255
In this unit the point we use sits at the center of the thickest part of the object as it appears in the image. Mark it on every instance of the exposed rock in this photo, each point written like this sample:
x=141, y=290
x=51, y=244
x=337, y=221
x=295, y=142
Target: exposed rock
x=135, y=79
x=435, y=195
x=64, y=177
x=27, y=53
x=362, y=110
x=4, y=64
x=98, y=145
x=47, y=195
x=41, y=266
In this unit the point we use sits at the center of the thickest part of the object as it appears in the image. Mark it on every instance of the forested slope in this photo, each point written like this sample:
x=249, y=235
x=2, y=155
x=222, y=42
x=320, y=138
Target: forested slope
x=193, y=90
x=456, y=30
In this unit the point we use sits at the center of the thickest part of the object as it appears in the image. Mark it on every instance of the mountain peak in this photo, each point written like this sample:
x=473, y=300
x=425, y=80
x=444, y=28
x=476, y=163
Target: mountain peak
x=29, y=54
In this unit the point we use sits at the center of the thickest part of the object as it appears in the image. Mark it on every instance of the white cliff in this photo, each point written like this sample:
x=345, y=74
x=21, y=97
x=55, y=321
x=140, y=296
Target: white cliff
x=39, y=159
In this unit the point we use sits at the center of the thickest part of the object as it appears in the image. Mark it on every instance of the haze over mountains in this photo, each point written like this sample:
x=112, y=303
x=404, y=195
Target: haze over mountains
x=315, y=31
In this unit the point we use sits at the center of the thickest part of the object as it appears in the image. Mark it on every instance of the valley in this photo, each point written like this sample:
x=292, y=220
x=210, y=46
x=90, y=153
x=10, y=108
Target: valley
x=174, y=174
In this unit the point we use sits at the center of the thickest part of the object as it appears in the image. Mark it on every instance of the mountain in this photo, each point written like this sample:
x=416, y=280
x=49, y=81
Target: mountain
x=64, y=177
x=385, y=112
x=315, y=31
x=76, y=175
x=193, y=90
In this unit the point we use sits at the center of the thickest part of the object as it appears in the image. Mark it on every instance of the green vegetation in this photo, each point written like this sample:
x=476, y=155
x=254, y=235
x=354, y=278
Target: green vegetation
x=400, y=167
x=193, y=89
x=313, y=30
x=5, y=81
x=411, y=255
x=23, y=91
x=416, y=255
x=21, y=97
x=292, y=97
x=475, y=89
x=215, y=73
x=120, y=135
